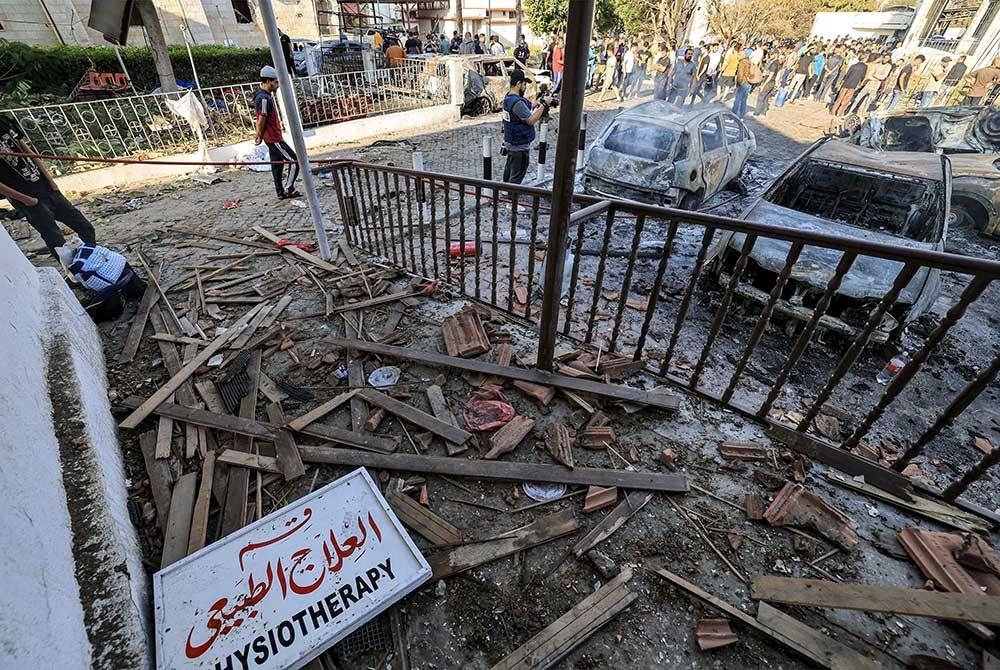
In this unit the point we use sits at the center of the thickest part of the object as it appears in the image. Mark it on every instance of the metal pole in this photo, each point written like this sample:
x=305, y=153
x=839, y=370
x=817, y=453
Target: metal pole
x=580, y=23
x=294, y=123
x=488, y=158
x=188, y=37
x=583, y=140
x=543, y=145
x=121, y=62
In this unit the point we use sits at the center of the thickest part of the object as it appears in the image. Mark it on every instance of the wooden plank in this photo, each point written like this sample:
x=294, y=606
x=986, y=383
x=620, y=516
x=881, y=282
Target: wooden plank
x=918, y=602
x=224, y=238
x=661, y=400
x=160, y=479
x=271, y=390
x=172, y=362
x=178, y=530
x=298, y=423
x=439, y=406
x=614, y=520
x=374, y=302
x=234, y=512
x=818, y=648
x=467, y=556
x=253, y=461
x=164, y=436
x=178, y=339
x=161, y=394
x=134, y=338
x=564, y=634
x=264, y=431
x=415, y=416
x=209, y=392
x=289, y=459
x=199, y=518
x=273, y=315
x=252, y=327
x=505, y=470
x=304, y=255
x=425, y=522
x=359, y=408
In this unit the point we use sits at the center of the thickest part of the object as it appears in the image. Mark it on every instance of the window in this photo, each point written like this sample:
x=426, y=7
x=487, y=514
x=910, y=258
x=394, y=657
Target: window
x=241, y=8
x=711, y=135
x=734, y=129
x=643, y=140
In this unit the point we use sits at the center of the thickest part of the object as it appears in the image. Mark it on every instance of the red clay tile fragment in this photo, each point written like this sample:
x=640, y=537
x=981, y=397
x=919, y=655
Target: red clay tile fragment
x=796, y=506
x=713, y=633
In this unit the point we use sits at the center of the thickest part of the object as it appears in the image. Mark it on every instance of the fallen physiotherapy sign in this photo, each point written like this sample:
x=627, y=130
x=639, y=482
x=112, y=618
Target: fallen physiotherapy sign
x=280, y=591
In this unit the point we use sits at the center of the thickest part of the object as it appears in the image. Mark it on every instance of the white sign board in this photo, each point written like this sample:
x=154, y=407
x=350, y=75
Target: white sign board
x=280, y=591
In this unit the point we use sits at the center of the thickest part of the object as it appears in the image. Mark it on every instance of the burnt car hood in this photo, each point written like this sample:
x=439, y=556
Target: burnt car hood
x=869, y=277
x=635, y=171
x=953, y=129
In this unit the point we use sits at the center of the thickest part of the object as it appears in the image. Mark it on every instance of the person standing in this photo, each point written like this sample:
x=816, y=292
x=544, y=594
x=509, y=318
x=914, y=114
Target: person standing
x=269, y=132
x=802, y=70
x=815, y=78
x=456, y=43
x=628, y=67
x=932, y=86
x=286, y=52
x=30, y=189
x=558, y=56
x=496, y=48
x=831, y=71
x=901, y=82
x=394, y=55
x=983, y=81
x=660, y=67
x=855, y=76
x=727, y=72
x=521, y=52
x=467, y=47
x=682, y=81
x=519, y=117
x=955, y=76
x=610, y=73
x=413, y=44
x=879, y=69
x=772, y=67
x=744, y=82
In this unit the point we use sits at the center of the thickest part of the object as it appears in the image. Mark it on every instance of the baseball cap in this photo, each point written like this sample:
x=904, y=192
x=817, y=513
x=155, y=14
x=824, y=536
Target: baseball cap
x=268, y=72
x=516, y=77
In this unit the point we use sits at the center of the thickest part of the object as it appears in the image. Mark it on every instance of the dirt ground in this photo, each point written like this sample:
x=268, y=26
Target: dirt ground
x=475, y=619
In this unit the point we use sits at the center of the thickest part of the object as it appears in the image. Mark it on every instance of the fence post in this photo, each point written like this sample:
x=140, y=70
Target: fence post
x=580, y=22
x=583, y=141
x=488, y=158
x=542, y=148
x=418, y=166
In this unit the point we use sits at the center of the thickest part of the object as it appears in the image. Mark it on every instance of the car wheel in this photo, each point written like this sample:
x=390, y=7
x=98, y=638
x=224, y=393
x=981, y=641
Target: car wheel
x=690, y=202
x=483, y=106
x=968, y=216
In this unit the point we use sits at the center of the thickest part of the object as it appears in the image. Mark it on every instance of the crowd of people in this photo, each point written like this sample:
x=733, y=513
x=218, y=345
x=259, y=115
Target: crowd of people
x=852, y=76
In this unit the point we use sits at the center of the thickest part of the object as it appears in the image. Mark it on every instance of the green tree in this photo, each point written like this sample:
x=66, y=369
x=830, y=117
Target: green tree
x=845, y=5
x=547, y=17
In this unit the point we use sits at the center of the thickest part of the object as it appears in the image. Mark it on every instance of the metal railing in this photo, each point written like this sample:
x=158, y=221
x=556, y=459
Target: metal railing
x=643, y=282
x=142, y=126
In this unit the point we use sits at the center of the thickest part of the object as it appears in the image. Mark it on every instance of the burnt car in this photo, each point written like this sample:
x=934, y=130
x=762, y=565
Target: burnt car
x=660, y=154
x=969, y=135
x=487, y=80
x=842, y=189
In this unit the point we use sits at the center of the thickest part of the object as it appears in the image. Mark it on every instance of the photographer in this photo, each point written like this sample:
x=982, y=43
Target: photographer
x=519, y=117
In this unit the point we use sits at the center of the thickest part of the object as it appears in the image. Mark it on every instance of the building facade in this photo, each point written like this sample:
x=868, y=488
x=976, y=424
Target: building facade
x=886, y=25
x=970, y=27
x=225, y=22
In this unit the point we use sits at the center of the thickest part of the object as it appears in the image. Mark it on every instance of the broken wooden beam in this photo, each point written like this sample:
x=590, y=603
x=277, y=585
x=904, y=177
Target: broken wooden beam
x=177, y=531
x=661, y=400
x=134, y=338
x=567, y=632
x=172, y=384
x=374, y=302
x=614, y=520
x=509, y=436
x=298, y=423
x=505, y=470
x=234, y=511
x=439, y=406
x=287, y=452
x=160, y=479
x=820, y=649
x=252, y=461
x=199, y=518
x=467, y=556
x=423, y=521
x=415, y=416
x=973, y=608
x=294, y=250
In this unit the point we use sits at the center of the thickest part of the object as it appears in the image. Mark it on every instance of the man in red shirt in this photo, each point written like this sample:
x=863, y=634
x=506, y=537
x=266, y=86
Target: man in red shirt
x=558, y=57
x=269, y=132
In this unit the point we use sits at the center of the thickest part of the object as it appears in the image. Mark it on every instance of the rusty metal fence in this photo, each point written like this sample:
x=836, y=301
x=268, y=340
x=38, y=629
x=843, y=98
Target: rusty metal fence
x=647, y=282
x=144, y=126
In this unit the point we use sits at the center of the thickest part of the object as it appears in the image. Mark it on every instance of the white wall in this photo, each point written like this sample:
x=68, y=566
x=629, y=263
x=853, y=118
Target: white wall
x=63, y=555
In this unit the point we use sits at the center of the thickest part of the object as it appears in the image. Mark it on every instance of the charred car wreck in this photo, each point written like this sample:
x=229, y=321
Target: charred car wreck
x=970, y=135
x=841, y=189
x=662, y=155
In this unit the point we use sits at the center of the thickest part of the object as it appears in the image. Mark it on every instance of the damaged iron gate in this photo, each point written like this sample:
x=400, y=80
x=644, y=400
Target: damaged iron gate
x=624, y=256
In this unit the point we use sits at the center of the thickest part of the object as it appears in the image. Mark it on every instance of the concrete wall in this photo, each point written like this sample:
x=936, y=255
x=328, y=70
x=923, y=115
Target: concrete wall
x=209, y=21
x=74, y=589
x=831, y=25
x=338, y=133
